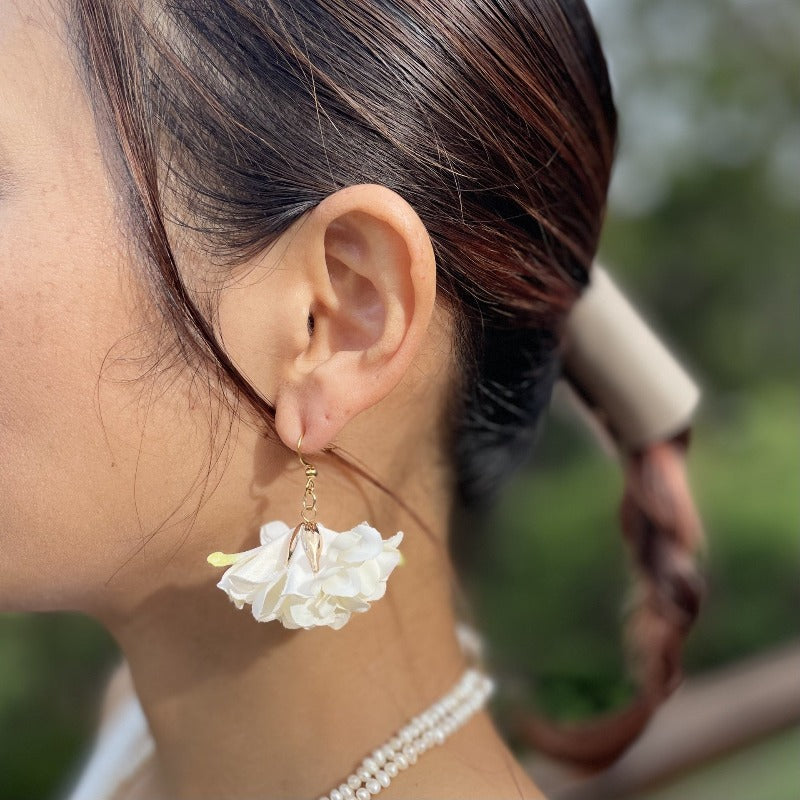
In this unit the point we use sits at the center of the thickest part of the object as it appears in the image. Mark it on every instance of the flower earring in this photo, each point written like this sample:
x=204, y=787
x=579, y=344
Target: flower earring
x=332, y=576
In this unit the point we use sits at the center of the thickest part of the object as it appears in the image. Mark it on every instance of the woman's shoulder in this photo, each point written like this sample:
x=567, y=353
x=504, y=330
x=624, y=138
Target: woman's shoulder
x=121, y=763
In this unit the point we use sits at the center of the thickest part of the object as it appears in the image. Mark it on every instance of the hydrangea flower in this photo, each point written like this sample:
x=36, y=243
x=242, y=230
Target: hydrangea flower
x=353, y=569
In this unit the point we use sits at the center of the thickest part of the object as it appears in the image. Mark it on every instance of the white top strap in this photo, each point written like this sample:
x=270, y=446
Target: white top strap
x=122, y=746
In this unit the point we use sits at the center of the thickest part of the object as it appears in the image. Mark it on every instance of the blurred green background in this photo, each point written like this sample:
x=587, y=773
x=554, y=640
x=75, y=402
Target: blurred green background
x=703, y=234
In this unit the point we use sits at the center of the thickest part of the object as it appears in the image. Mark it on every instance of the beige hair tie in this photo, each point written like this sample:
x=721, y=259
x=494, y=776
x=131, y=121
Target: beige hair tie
x=621, y=372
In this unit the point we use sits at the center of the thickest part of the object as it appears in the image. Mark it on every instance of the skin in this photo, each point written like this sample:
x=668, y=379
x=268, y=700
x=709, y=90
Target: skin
x=98, y=456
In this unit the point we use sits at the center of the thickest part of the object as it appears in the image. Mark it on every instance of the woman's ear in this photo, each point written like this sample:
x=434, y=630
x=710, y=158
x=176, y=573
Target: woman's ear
x=371, y=273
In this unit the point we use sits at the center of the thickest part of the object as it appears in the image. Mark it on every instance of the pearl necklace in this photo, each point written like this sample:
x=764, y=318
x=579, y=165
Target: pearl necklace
x=427, y=729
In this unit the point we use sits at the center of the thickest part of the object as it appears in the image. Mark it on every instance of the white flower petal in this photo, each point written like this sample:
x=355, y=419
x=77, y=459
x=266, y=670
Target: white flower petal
x=353, y=571
x=387, y=561
x=380, y=591
x=257, y=564
x=367, y=545
x=341, y=583
x=393, y=541
x=325, y=605
x=265, y=601
x=351, y=604
x=341, y=541
x=271, y=531
x=300, y=578
x=370, y=574
x=305, y=616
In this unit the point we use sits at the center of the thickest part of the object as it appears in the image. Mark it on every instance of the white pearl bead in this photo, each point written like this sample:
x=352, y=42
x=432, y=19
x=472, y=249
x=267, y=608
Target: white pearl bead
x=323, y=798
x=391, y=769
x=371, y=764
x=428, y=728
x=388, y=750
x=383, y=778
x=410, y=752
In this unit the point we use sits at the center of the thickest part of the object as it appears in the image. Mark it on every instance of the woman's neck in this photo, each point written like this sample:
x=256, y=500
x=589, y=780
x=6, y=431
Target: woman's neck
x=243, y=709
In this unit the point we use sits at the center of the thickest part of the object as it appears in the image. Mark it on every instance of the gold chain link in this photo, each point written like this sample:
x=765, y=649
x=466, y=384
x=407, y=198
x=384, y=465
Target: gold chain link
x=308, y=510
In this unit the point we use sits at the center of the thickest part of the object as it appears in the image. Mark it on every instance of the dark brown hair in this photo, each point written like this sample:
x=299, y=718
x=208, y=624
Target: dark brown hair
x=494, y=119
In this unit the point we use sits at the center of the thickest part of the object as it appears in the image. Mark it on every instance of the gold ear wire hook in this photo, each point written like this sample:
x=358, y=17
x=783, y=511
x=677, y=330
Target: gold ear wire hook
x=299, y=454
x=311, y=471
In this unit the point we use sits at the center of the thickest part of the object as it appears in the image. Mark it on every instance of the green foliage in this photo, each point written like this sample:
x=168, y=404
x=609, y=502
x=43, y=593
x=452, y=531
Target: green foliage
x=50, y=668
x=548, y=576
x=746, y=476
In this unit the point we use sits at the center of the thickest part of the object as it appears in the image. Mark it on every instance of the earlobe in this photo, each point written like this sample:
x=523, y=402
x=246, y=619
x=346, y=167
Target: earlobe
x=299, y=412
x=373, y=281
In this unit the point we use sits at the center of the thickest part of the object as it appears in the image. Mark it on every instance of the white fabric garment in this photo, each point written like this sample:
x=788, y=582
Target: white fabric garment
x=122, y=746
